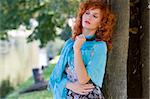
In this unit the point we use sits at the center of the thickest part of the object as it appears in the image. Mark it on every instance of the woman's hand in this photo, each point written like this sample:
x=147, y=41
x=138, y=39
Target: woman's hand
x=82, y=89
x=79, y=40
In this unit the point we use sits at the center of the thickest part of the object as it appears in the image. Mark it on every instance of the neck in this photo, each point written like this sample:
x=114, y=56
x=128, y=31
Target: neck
x=87, y=32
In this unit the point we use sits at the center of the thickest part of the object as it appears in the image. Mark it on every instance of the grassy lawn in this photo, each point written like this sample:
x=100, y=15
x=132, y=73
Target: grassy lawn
x=45, y=94
x=32, y=95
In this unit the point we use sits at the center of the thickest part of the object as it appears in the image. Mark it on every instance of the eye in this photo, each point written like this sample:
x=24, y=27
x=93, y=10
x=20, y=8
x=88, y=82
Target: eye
x=87, y=13
x=95, y=16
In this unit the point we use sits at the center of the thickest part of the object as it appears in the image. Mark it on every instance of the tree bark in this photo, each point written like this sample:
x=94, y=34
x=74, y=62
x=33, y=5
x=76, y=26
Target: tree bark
x=145, y=48
x=115, y=83
x=134, y=68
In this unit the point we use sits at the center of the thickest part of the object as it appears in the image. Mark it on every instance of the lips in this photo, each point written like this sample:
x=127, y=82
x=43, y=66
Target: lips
x=87, y=22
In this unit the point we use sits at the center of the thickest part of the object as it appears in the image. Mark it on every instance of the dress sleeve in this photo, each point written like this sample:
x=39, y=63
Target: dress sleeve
x=96, y=66
x=58, y=79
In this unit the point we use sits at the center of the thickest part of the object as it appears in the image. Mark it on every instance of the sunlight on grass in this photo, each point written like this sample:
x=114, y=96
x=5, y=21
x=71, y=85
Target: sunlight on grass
x=55, y=60
x=33, y=95
x=37, y=95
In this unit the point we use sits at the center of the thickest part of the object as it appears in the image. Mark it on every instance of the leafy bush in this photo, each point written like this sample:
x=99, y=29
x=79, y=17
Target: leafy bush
x=5, y=88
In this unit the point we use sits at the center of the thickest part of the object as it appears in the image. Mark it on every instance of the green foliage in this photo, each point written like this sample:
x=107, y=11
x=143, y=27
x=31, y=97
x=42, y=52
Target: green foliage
x=3, y=35
x=50, y=14
x=5, y=88
x=47, y=71
x=66, y=33
x=45, y=31
x=45, y=94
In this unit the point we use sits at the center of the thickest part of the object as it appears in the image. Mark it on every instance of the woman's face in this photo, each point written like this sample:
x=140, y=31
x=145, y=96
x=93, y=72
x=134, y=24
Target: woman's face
x=91, y=19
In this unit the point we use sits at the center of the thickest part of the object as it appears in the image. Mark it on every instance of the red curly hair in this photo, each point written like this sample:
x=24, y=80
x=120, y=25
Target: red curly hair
x=105, y=32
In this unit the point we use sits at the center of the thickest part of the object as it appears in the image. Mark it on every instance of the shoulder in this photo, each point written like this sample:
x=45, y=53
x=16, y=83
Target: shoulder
x=68, y=42
x=67, y=45
x=101, y=46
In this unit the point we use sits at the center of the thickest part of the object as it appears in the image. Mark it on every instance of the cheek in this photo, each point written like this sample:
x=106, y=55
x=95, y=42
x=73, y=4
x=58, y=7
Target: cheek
x=96, y=23
x=83, y=17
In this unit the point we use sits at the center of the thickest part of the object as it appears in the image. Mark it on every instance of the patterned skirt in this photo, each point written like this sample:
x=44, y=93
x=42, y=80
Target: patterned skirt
x=95, y=94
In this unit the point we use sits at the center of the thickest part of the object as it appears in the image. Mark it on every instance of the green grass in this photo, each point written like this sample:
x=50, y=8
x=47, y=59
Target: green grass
x=33, y=95
x=45, y=94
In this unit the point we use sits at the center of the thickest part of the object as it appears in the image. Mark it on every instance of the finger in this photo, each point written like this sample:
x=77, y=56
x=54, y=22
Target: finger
x=88, y=86
x=85, y=92
x=82, y=93
x=80, y=39
x=81, y=36
x=88, y=90
x=76, y=37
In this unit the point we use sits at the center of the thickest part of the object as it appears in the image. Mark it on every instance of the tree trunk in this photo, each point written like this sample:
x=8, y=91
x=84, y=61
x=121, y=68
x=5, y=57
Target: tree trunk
x=115, y=84
x=145, y=48
x=134, y=68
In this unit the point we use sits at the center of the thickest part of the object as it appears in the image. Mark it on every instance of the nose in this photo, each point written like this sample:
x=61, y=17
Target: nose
x=89, y=16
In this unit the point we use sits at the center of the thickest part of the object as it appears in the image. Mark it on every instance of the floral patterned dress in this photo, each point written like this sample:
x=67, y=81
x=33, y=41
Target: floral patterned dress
x=95, y=94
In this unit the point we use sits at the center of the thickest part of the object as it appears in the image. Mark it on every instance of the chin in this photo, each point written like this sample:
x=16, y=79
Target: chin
x=86, y=26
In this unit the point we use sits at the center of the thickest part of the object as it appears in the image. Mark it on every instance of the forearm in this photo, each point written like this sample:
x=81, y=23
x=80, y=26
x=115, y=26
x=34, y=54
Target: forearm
x=78, y=88
x=80, y=68
x=69, y=85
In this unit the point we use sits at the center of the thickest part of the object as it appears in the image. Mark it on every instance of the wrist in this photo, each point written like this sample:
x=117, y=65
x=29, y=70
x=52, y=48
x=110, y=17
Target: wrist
x=76, y=50
x=68, y=85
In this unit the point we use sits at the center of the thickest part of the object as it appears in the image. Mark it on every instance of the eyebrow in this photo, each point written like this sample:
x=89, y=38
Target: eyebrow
x=96, y=13
x=93, y=13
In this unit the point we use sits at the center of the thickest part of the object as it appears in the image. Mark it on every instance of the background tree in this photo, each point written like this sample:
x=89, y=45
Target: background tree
x=50, y=14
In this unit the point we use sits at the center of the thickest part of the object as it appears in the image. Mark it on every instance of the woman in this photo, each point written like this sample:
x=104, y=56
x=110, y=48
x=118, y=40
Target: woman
x=80, y=70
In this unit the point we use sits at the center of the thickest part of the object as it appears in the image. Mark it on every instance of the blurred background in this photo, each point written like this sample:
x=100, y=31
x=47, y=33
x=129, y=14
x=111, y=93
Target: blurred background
x=32, y=33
